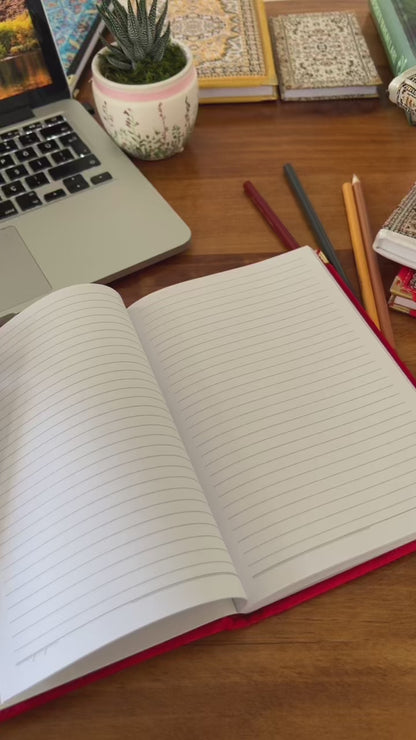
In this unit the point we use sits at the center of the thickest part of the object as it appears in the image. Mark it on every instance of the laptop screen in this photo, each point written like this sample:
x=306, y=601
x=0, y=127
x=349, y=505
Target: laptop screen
x=30, y=70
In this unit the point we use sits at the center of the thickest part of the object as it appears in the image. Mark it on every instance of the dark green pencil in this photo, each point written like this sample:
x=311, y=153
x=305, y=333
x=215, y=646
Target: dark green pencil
x=319, y=231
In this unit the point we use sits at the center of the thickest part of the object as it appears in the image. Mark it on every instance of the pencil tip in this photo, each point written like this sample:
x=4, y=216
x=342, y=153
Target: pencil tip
x=355, y=178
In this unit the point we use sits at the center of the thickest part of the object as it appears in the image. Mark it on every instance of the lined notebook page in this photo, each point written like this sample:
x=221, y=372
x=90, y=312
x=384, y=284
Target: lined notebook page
x=299, y=423
x=103, y=525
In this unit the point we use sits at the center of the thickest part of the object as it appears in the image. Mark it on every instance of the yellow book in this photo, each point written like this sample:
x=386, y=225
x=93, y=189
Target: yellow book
x=231, y=45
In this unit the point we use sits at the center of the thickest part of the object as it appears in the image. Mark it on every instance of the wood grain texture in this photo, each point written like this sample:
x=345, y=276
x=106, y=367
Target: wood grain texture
x=343, y=665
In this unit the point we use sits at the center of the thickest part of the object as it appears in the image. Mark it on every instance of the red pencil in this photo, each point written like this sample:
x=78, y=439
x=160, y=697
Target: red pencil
x=272, y=219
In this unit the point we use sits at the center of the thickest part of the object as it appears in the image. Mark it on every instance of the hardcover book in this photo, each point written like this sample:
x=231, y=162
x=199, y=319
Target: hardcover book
x=396, y=239
x=76, y=27
x=220, y=447
x=395, y=21
x=321, y=56
x=231, y=47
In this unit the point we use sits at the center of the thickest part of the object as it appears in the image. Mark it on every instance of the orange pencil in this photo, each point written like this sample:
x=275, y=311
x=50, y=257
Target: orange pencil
x=373, y=267
x=359, y=253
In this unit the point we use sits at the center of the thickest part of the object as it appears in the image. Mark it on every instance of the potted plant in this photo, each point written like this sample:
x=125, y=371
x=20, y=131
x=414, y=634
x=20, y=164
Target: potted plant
x=144, y=84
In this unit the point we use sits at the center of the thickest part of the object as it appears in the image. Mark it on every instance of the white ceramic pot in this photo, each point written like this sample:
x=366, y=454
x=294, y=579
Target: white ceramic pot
x=148, y=121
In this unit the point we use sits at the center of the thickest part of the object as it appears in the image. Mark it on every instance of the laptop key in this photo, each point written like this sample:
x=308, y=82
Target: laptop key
x=74, y=167
x=42, y=163
x=54, y=195
x=53, y=119
x=13, y=188
x=62, y=156
x=59, y=128
x=33, y=126
x=23, y=154
x=15, y=173
x=7, y=146
x=36, y=181
x=27, y=139
x=10, y=134
x=6, y=161
x=75, y=183
x=48, y=146
x=101, y=177
x=7, y=209
x=28, y=200
x=76, y=143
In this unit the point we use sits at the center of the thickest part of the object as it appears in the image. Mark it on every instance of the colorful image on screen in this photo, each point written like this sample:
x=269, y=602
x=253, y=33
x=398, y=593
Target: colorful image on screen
x=22, y=65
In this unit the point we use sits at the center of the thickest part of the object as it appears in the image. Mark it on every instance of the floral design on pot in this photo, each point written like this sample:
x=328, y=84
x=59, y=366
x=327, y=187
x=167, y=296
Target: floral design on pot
x=152, y=121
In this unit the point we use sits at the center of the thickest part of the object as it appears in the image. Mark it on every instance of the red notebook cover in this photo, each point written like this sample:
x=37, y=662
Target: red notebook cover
x=237, y=621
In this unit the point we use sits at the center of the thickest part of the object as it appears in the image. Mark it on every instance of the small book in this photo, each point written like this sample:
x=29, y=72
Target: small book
x=396, y=239
x=231, y=47
x=218, y=447
x=321, y=56
x=76, y=28
x=403, y=291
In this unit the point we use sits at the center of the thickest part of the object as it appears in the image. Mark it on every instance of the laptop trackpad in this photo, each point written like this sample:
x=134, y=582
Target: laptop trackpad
x=21, y=279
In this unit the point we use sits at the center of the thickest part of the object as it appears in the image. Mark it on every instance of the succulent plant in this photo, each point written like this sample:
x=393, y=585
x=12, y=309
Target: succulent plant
x=139, y=34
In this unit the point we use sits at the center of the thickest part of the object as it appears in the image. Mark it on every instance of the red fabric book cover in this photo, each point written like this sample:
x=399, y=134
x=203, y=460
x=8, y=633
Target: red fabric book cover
x=233, y=622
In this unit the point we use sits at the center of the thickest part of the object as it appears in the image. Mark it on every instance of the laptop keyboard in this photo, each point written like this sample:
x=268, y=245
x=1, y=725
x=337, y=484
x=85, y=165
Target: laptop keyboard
x=42, y=162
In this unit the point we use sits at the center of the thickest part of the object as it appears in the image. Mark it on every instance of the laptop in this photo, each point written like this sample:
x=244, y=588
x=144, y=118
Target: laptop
x=73, y=207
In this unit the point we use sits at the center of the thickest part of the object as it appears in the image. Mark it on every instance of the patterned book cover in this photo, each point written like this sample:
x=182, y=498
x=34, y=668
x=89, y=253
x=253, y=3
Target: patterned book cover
x=231, y=46
x=71, y=22
x=396, y=239
x=76, y=27
x=321, y=56
x=403, y=219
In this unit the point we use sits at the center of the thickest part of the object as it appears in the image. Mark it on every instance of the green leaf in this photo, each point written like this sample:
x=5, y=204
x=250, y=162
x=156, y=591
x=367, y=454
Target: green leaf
x=118, y=63
x=138, y=33
x=161, y=20
x=159, y=47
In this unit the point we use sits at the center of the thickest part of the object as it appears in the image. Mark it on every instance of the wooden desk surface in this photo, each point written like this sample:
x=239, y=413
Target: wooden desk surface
x=344, y=664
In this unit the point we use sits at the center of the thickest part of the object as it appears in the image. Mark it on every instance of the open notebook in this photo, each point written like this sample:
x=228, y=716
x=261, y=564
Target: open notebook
x=220, y=445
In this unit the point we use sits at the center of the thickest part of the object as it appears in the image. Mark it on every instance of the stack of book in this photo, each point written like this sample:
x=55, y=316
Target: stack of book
x=396, y=240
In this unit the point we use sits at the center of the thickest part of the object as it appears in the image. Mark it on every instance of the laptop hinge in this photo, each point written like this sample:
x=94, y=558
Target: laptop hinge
x=15, y=116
